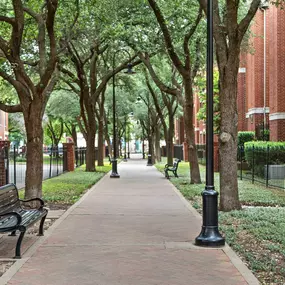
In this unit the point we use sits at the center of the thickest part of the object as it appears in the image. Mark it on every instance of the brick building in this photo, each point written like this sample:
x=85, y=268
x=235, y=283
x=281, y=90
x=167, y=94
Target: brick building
x=3, y=125
x=261, y=81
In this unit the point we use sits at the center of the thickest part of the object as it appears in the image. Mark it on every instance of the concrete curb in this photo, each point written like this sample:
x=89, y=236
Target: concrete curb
x=236, y=261
x=7, y=276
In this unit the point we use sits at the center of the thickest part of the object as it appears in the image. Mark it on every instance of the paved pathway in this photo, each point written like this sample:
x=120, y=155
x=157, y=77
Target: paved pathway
x=135, y=230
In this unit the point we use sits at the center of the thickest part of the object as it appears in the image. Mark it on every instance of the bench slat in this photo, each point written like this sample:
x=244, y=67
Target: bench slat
x=9, y=198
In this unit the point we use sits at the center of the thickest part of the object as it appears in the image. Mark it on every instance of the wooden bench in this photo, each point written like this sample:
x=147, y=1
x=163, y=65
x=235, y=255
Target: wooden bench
x=17, y=215
x=173, y=168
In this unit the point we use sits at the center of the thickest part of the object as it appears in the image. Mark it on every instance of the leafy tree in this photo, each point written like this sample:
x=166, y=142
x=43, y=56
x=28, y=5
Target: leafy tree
x=64, y=106
x=89, y=64
x=16, y=128
x=170, y=104
x=186, y=59
x=231, y=22
x=200, y=82
x=28, y=64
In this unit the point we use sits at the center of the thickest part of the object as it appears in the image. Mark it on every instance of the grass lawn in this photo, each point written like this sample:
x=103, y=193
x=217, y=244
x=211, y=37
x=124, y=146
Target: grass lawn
x=66, y=189
x=256, y=233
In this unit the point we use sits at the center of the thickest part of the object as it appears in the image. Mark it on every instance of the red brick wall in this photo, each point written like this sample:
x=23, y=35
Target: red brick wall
x=255, y=70
x=277, y=130
x=70, y=156
x=277, y=71
x=241, y=97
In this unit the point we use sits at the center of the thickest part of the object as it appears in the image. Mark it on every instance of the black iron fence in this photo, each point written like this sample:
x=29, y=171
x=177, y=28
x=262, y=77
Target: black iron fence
x=80, y=156
x=201, y=153
x=263, y=165
x=178, y=151
x=54, y=164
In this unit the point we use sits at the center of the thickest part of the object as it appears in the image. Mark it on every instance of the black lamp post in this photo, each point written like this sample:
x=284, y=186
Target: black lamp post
x=125, y=155
x=128, y=142
x=210, y=235
x=114, y=173
x=149, y=156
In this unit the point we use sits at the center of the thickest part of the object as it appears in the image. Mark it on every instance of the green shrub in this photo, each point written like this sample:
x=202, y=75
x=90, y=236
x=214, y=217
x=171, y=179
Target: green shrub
x=244, y=137
x=264, y=153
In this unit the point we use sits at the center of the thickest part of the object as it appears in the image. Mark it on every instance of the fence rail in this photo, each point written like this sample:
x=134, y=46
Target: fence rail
x=54, y=164
x=263, y=165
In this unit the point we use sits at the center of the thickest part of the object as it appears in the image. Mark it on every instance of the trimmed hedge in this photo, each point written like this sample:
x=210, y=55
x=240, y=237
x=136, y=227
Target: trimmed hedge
x=261, y=153
x=244, y=137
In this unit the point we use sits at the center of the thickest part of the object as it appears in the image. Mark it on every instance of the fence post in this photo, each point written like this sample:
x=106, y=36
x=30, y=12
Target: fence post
x=15, y=166
x=252, y=164
x=267, y=165
x=50, y=161
x=76, y=156
x=57, y=156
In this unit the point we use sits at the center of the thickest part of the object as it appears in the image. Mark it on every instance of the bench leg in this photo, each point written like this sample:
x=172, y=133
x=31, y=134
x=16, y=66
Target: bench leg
x=166, y=174
x=41, y=228
x=18, y=246
x=12, y=234
x=175, y=173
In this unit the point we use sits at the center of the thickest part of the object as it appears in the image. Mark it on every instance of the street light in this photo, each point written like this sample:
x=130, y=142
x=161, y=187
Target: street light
x=210, y=235
x=125, y=155
x=114, y=173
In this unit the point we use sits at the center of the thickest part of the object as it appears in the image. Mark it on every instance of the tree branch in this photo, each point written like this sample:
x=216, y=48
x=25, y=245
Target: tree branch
x=164, y=88
x=50, y=19
x=187, y=39
x=8, y=20
x=167, y=38
x=244, y=23
x=70, y=85
x=11, y=109
x=69, y=73
x=16, y=84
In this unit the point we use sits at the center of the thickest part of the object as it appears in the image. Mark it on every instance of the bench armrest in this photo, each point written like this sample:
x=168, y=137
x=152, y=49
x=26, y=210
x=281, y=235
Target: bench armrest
x=19, y=218
x=34, y=199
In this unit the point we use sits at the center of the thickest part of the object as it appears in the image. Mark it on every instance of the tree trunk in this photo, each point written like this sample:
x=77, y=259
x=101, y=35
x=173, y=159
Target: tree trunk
x=157, y=144
x=74, y=135
x=151, y=148
x=101, y=141
x=169, y=141
x=195, y=177
x=90, y=150
x=34, y=170
x=229, y=199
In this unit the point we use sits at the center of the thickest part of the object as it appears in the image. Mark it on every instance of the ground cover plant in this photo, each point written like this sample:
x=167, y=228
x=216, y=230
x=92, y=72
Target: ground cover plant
x=257, y=232
x=64, y=190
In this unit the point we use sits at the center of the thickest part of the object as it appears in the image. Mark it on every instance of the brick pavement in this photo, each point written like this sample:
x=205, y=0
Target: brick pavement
x=135, y=230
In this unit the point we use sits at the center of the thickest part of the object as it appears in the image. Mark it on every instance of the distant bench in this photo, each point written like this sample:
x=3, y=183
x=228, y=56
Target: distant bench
x=14, y=216
x=173, y=168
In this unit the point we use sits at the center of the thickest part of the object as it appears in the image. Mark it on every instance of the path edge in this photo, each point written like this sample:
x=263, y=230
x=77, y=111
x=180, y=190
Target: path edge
x=8, y=275
x=234, y=258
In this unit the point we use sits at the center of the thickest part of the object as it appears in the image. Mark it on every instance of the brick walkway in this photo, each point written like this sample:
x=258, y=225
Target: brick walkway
x=135, y=230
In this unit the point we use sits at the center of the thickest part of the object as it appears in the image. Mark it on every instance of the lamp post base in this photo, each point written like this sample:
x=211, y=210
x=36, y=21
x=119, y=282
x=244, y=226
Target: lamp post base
x=149, y=160
x=114, y=173
x=210, y=235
